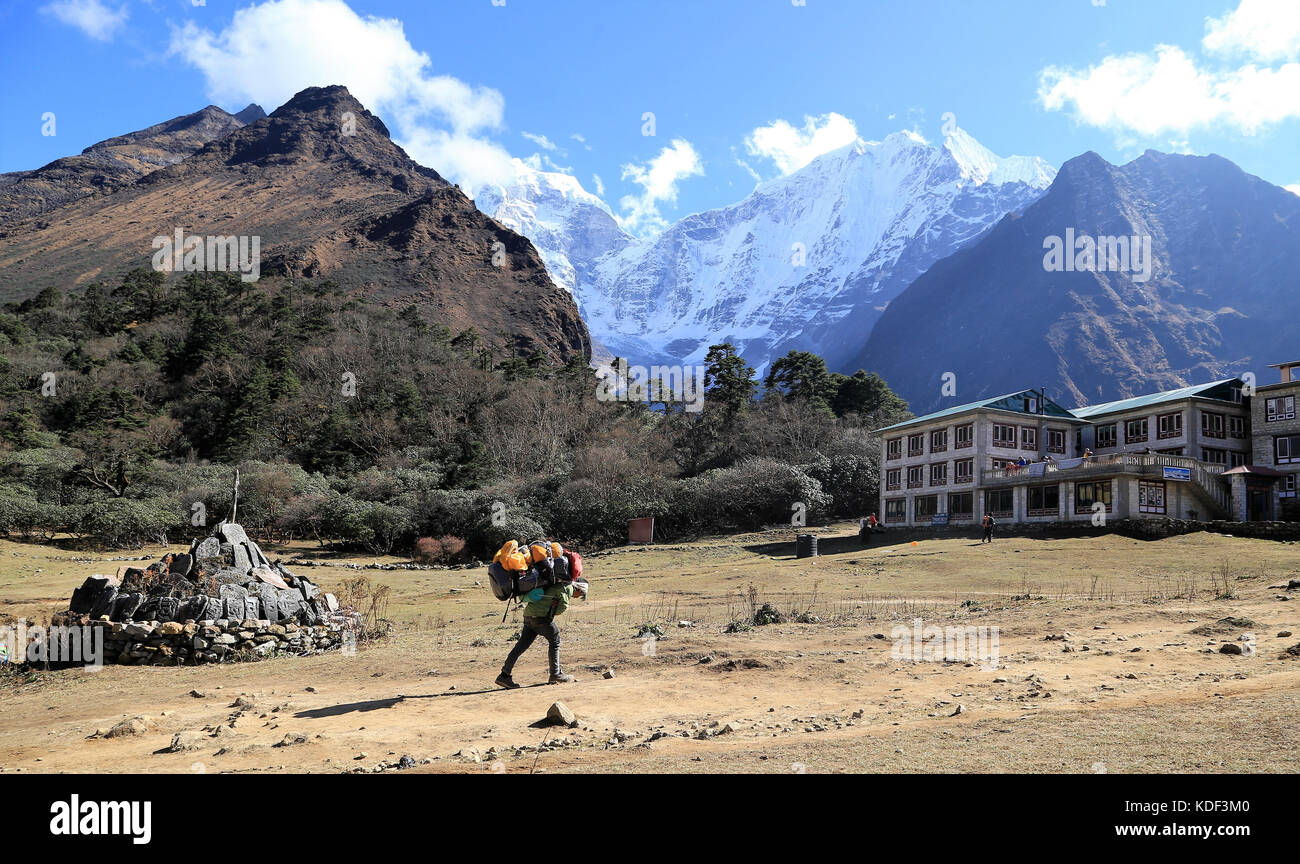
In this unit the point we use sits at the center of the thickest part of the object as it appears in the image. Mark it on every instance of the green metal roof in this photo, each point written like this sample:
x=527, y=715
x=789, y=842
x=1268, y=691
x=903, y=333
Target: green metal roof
x=1214, y=390
x=1006, y=402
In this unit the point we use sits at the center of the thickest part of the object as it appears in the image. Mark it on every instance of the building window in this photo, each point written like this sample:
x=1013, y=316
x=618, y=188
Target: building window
x=1055, y=440
x=961, y=504
x=915, y=445
x=1212, y=425
x=939, y=474
x=963, y=470
x=1279, y=408
x=964, y=436
x=1030, y=404
x=894, y=448
x=999, y=502
x=999, y=464
x=896, y=510
x=894, y=478
x=1106, y=436
x=938, y=440
x=1044, y=500
x=1004, y=435
x=1170, y=425
x=1236, y=458
x=1236, y=427
x=1028, y=438
x=915, y=477
x=1151, y=496
x=1286, y=449
x=926, y=506
x=1078, y=441
x=1214, y=456
x=1173, y=451
x=1287, y=486
x=1136, y=431
x=1087, y=494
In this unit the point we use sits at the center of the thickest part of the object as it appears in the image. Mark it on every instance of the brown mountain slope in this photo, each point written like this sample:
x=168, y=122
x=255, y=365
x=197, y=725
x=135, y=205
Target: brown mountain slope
x=353, y=208
x=115, y=162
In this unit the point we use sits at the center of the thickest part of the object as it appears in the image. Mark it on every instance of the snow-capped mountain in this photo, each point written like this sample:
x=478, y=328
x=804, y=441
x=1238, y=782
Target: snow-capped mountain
x=570, y=227
x=806, y=261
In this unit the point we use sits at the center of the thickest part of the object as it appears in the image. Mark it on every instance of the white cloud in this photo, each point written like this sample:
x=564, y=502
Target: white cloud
x=540, y=140
x=1294, y=188
x=272, y=50
x=658, y=180
x=577, y=136
x=1168, y=91
x=598, y=184
x=91, y=17
x=1268, y=30
x=792, y=148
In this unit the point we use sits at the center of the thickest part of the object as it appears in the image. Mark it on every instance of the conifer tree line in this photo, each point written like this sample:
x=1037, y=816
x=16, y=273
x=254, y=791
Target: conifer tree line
x=126, y=409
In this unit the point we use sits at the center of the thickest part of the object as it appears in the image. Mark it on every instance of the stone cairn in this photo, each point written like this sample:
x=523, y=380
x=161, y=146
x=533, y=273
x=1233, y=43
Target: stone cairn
x=221, y=601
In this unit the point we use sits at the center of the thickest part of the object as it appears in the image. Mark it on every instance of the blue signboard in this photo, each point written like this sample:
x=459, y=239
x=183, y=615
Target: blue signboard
x=1178, y=473
x=939, y=519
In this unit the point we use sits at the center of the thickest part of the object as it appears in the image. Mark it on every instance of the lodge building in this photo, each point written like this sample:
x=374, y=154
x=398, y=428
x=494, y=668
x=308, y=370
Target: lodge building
x=1210, y=451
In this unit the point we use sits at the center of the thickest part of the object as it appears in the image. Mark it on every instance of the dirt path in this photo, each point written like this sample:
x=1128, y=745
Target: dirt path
x=1130, y=688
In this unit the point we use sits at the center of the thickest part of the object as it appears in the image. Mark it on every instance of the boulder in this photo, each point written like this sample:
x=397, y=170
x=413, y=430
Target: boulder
x=289, y=604
x=252, y=608
x=105, y=603
x=83, y=599
x=148, y=610
x=231, y=576
x=232, y=532
x=193, y=608
x=240, y=560
x=233, y=596
x=124, y=608
x=269, y=576
x=331, y=603
x=270, y=597
x=210, y=547
x=182, y=564
x=169, y=609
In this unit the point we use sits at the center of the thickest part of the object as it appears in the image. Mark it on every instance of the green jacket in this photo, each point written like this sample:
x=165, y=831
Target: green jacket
x=557, y=597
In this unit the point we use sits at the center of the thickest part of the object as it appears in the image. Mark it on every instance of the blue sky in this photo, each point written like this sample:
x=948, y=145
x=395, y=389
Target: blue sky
x=738, y=88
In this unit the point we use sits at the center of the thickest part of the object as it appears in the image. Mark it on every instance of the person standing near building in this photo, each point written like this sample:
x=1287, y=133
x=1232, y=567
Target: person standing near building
x=988, y=523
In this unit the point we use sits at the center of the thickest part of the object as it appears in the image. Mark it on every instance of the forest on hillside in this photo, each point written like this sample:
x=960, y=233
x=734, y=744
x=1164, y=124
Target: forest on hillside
x=127, y=409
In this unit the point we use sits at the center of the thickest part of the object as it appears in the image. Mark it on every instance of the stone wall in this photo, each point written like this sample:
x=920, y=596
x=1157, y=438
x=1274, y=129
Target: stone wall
x=149, y=643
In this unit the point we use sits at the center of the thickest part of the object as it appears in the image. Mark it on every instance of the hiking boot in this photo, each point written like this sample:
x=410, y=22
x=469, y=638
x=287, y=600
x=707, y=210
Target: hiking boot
x=504, y=680
x=561, y=678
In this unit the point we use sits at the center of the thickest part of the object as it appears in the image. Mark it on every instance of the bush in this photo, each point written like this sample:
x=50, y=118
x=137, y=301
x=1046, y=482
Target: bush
x=119, y=522
x=755, y=493
x=444, y=550
x=852, y=481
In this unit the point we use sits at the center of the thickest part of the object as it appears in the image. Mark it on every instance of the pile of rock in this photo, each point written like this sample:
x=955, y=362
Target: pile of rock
x=170, y=643
x=220, y=599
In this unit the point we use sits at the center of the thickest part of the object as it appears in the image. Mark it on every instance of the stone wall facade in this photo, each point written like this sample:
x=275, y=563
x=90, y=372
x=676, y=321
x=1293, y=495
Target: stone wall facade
x=171, y=643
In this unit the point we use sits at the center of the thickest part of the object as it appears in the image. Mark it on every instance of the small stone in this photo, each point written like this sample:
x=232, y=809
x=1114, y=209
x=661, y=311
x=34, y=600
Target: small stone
x=1230, y=648
x=127, y=728
x=198, y=694
x=961, y=709
x=607, y=674
x=560, y=715
x=183, y=741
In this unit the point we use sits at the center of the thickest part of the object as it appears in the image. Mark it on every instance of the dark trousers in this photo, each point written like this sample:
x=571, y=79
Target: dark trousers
x=534, y=627
x=988, y=534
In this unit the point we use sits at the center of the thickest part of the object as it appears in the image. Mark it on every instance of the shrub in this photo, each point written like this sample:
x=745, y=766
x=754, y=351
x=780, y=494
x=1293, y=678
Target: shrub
x=443, y=550
x=755, y=493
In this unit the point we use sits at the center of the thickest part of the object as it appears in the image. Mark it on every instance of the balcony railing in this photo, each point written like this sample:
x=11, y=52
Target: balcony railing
x=1204, y=474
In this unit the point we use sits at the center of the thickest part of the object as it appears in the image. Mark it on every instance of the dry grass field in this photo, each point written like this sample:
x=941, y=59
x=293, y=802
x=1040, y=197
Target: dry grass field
x=1099, y=667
